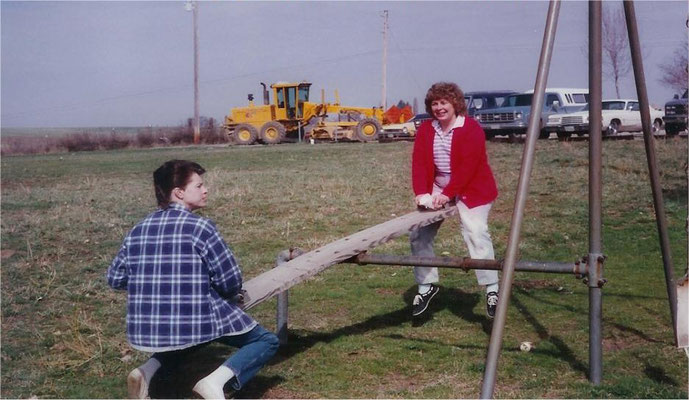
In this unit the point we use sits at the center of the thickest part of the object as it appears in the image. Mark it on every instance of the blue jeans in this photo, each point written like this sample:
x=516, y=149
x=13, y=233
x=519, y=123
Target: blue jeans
x=255, y=348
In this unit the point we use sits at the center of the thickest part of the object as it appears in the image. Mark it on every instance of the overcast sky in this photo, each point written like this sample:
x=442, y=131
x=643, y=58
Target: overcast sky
x=79, y=64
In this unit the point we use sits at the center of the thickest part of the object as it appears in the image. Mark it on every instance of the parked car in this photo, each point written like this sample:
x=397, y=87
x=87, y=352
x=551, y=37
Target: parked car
x=485, y=100
x=512, y=117
x=619, y=115
x=419, y=118
x=676, y=115
x=404, y=129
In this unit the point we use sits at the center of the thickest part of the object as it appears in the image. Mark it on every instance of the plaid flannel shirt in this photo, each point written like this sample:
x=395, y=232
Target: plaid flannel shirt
x=180, y=276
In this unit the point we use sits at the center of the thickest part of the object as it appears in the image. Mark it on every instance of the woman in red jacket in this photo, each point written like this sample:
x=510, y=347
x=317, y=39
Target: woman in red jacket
x=449, y=163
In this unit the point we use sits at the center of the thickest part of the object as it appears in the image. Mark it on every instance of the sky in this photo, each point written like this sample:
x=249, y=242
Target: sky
x=130, y=63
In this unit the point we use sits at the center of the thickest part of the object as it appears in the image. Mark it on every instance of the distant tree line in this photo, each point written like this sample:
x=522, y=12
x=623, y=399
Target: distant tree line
x=85, y=140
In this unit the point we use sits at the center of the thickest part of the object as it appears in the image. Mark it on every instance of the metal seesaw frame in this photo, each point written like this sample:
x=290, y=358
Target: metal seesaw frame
x=290, y=272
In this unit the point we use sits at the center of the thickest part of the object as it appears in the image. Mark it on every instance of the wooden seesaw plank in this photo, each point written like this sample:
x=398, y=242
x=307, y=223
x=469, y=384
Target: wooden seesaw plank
x=281, y=278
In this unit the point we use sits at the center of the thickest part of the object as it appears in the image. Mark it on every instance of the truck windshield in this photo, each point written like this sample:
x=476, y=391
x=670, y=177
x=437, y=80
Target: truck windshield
x=521, y=100
x=518, y=100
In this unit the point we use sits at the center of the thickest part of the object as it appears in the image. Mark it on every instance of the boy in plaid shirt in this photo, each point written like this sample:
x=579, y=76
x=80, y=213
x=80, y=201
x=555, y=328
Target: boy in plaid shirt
x=180, y=278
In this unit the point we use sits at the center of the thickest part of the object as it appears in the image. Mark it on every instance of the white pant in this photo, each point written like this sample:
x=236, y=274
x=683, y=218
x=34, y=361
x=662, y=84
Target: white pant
x=474, y=224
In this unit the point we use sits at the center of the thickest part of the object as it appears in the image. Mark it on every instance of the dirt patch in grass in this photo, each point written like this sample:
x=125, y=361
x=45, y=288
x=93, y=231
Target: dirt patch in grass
x=617, y=343
x=395, y=382
x=620, y=340
x=5, y=254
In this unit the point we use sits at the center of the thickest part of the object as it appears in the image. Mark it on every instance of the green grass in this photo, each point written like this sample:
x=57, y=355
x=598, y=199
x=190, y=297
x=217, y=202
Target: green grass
x=351, y=336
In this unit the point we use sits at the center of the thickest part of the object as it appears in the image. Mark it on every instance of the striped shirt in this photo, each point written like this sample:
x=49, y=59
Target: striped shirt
x=442, y=143
x=180, y=276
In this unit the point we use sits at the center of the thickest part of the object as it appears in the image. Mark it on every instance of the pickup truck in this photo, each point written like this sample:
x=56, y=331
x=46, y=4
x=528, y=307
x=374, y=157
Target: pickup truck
x=512, y=118
x=486, y=99
x=676, y=115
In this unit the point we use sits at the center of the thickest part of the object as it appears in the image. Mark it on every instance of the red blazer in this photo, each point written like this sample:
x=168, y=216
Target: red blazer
x=471, y=177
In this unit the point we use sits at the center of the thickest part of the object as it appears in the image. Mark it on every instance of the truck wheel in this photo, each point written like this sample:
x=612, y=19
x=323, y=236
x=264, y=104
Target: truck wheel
x=563, y=135
x=367, y=129
x=543, y=134
x=272, y=132
x=671, y=130
x=245, y=134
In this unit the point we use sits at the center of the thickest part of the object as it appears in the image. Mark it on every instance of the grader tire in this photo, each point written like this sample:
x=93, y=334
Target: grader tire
x=368, y=129
x=272, y=132
x=245, y=134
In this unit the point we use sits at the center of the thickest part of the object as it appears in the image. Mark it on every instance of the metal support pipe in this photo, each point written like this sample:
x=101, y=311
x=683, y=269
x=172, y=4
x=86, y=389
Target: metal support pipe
x=640, y=79
x=282, y=314
x=466, y=263
x=595, y=256
x=488, y=384
x=197, y=124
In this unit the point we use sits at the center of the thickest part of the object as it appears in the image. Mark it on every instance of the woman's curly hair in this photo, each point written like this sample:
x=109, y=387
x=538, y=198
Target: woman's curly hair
x=448, y=91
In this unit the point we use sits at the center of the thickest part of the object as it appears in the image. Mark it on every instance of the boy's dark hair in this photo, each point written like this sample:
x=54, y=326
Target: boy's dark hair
x=448, y=91
x=173, y=174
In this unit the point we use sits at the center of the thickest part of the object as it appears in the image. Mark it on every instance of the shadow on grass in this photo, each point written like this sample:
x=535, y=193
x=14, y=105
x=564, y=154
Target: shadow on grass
x=678, y=194
x=456, y=301
x=176, y=382
x=564, y=352
x=606, y=320
x=462, y=305
x=658, y=374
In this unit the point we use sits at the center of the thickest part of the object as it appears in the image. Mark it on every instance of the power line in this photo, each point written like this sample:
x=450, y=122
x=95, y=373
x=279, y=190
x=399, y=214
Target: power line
x=404, y=64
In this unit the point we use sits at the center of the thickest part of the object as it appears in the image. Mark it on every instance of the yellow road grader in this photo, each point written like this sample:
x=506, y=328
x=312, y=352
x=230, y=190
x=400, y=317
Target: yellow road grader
x=291, y=110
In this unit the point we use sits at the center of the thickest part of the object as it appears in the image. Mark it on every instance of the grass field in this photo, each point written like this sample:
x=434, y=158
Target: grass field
x=351, y=335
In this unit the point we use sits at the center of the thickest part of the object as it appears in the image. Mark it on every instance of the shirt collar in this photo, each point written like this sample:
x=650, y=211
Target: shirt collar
x=459, y=123
x=175, y=206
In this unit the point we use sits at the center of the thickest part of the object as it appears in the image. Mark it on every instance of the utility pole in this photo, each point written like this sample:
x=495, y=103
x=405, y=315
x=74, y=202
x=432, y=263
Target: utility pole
x=385, y=59
x=194, y=7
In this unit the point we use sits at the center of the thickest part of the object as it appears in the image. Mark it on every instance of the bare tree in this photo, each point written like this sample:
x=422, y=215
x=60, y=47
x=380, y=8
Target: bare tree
x=676, y=69
x=617, y=55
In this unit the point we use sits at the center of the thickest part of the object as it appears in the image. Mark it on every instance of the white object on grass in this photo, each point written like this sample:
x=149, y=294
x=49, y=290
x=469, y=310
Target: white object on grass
x=526, y=346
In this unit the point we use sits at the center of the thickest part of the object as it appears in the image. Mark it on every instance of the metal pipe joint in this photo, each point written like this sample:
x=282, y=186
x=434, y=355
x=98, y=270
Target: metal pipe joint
x=594, y=279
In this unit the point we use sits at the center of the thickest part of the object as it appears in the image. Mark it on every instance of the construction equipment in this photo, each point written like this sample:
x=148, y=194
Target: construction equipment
x=291, y=111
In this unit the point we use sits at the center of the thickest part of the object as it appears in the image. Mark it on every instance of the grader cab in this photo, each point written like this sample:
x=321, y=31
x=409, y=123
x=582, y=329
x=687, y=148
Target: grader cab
x=291, y=110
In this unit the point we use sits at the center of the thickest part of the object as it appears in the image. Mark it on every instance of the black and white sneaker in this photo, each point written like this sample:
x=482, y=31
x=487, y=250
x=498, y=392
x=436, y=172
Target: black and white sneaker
x=421, y=301
x=491, y=303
